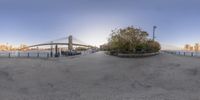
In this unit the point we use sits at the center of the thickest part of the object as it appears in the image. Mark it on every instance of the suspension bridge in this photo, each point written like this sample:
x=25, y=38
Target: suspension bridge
x=69, y=41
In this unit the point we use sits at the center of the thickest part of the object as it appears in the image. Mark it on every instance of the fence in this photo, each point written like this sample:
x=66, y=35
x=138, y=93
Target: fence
x=25, y=54
x=39, y=54
x=184, y=53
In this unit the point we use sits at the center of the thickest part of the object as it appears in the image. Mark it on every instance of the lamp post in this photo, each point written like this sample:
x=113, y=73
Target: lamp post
x=51, y=53
x=154, y=29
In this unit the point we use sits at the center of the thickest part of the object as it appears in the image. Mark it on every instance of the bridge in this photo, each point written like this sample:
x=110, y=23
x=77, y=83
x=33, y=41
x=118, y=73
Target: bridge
x=69, y=41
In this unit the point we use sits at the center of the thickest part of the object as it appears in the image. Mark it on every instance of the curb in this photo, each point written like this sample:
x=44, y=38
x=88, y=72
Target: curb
x=136, y=55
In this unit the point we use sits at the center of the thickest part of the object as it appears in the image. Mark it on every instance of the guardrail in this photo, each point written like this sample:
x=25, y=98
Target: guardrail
x=30, y=54
x=184, y=53
x=24, y=55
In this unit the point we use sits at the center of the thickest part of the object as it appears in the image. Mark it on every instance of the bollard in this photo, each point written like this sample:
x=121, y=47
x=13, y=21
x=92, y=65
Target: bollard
x=51, y=54
x=47, y=55
x=28, y=55
x=38, y=55
x=179, y=53
x=8, y=55
x=18, y=54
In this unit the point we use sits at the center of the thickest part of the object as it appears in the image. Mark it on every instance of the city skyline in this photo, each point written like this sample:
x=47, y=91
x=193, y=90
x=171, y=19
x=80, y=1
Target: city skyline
x=32, y=22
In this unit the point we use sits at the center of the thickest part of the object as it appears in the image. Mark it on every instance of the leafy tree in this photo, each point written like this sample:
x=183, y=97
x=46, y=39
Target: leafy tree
x=152, y=46
x=131, y=40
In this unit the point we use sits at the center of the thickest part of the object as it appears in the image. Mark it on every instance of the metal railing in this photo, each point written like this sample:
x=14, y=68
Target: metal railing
x=24, y=55
x=183, y=53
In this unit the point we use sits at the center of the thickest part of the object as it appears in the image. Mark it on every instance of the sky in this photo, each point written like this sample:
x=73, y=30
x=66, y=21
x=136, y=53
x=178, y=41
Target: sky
x=36, y=21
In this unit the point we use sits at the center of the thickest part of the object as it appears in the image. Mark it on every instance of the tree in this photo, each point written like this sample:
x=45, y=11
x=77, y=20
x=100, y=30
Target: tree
x=152, y=46
x=131, y=40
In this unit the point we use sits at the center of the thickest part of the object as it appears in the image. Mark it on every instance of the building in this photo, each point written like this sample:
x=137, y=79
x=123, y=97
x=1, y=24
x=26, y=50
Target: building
x=187, y=47
x=191, y=48
x=196, y=47
x=7, y=47
x=23, y=47
x=104, y=47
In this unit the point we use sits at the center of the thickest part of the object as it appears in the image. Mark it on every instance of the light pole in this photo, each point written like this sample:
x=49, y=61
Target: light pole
x=154, y=29
x=51, y=53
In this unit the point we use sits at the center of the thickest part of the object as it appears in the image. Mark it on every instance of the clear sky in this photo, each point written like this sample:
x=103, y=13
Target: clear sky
x=35, y=21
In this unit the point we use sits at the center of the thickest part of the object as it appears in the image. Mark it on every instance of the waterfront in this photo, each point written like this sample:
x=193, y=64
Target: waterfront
x=99, y=76
x=36, y=53
x=183, y=52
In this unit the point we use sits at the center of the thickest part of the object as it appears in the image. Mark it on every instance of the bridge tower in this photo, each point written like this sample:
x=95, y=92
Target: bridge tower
x=70, y=45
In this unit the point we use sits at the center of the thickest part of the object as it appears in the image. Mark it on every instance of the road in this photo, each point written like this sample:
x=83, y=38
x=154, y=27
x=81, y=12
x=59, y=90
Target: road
x=101, y=77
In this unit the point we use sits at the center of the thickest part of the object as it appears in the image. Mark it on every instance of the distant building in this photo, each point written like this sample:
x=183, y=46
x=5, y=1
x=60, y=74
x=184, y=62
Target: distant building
x=187, y=47
x=104, y=47
x=7, y=47
x=196, y=47
x=191, y=48
x=23, y=47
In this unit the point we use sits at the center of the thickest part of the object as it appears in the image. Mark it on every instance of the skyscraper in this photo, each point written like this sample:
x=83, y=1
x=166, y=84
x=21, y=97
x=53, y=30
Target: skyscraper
x=187, y=47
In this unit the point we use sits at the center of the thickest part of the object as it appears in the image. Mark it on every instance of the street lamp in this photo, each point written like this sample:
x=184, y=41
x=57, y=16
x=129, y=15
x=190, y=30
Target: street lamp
x=154, y=29
x=51, y=53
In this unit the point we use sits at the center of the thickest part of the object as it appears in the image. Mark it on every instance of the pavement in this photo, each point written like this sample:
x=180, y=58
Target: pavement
x=100, y=77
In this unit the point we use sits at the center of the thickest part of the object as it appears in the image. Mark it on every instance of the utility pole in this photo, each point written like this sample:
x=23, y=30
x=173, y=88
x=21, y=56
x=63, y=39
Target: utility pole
x=154, y=29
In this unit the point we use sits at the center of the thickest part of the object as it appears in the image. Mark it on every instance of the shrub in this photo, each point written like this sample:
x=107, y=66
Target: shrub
x=131, y=40
x=81, y=49
x=153, y=46
x=140, y=48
